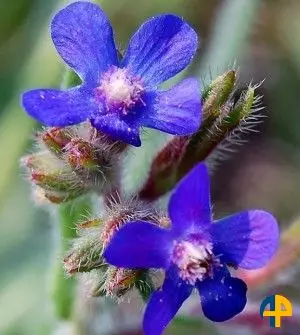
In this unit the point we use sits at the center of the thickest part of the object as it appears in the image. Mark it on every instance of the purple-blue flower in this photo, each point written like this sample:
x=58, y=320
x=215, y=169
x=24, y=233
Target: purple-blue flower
x=119, y=96
x=196, y=253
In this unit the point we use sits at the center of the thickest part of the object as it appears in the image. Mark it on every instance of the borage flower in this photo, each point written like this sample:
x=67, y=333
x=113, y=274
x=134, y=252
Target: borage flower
x=120, y=96
x=196, y=252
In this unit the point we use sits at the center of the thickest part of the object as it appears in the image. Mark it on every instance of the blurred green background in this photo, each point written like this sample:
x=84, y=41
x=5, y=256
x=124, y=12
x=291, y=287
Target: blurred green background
x=262, y=37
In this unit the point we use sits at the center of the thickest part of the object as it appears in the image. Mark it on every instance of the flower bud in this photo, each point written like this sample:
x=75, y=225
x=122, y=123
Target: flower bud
x=81, y=154
x=164, y=172
x=115, y=282
x=119, y=213
x=54, y=181
x=86, y=252
x=37, y=160
x=51, y=174
x=56, y=138
x=218, y=93
x=242, y=108
x=119, y=281
x=94, y=234
x=78, y=160
x=94, y=162
x=223, y=119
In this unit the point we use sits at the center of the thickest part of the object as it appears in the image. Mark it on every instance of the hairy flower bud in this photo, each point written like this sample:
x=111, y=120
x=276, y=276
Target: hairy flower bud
x=55, y=138
x=53, y=180
x=224, y=132
x=119, y=281
x=119, y=212
x=218, y=93
x=243, y=107
x=93, y=234
x=81, y=155
x=86, y=251
x=94, y=158
x=223, y=121
x=53, y=176
x=116, y=283
x=74, y=161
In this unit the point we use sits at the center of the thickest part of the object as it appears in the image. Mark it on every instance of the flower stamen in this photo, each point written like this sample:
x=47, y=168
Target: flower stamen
x=120, y=90
x=193, y=259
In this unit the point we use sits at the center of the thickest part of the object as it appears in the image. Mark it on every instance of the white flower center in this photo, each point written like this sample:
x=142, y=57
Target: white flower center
x=120, y=90
x=193, y=260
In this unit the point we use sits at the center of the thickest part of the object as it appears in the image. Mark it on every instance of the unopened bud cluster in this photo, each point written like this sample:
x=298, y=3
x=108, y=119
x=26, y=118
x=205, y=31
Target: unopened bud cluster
x=85, y=258
x=225, y=117
x=71, y=162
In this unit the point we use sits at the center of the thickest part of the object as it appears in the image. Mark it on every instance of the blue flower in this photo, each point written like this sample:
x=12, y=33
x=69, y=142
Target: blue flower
x=195, y=253
x=120, y=96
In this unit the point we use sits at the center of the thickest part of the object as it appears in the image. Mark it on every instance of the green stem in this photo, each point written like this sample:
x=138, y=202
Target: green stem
x=63, y=292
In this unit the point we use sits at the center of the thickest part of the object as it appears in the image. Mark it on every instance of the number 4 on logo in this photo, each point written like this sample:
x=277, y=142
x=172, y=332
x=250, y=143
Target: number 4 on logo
x=279, y=307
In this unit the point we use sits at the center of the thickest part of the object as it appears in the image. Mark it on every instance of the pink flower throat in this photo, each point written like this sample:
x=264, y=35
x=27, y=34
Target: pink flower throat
x=193, y=259
x=120, y=90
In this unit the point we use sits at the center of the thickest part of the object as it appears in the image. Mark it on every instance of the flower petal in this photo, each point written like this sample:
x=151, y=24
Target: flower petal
x=248, y=239
x=117, y=128
x=139, y=245
x=58, y=108
x=222, y=297
x=164, y=304
x=176, y=111
x=189, y=206
x=161, y=48
x=83, y=37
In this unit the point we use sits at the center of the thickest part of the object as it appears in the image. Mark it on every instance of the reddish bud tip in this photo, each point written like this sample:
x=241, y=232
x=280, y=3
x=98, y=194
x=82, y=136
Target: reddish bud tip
x=71, y=263
x=81, y=154
x=86, y=252
x=56, y=197
x=38, y=177
x=119, y=281
x=56, y=139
